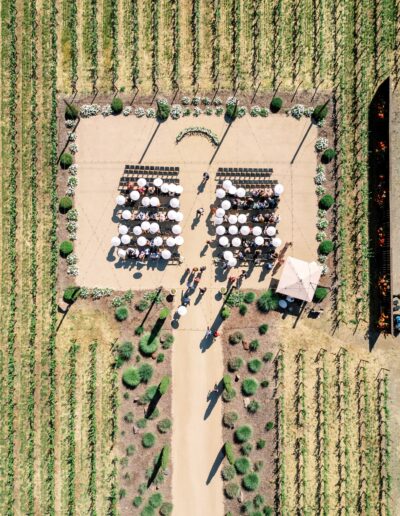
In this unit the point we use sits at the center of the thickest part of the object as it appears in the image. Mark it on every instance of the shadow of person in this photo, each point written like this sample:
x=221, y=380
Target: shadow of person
x=204, y=250
x=217, y=462
x=195, y=222
x=200, y=188
x=212, y=399
x=111, y=255
x=184, y=276
x=114, y=217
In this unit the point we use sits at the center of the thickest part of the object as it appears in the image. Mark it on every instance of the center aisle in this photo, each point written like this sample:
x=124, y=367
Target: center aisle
x=197, y=433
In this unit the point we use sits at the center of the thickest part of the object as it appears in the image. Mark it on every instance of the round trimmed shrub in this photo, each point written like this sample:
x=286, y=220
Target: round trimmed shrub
x=164, y=426
x=155, y=500
x=164, y=385
x=148, y=344
x=243, y=309
x=145, y=372
x=131, y=377
x=225, y=312
x=264, y=384
x=65, y=204
x=268, y=511
x=166, y=509
x=325, y=247
x=147, y=511
x=228, y=472
x=66, y=160
x=320, y=113
x=251, y=482
x=253, y=407
x=269, y=426
x=326, y=202
x=137, y=501
x=254, y=345
x=117, y=106
x=320, y=294
x=328, y=156
x=121, y=313
x=268, y=356
x=262, y=329
x=261, y=444
x=160, y=358
x=139, y=330
x=168, y=340
x=246, y=449
x=71, y=294
x=230, y=419
x=236, y=337
x=71, y=112
x=268, y=301
x=66, y=248
x=242, y=465
x=232, y=490
x=254, y=365
x=276, y=104
x=141, y=423
x=249, y=386
x=124, y=353
x=164, y=313
x=243, y=433
x=148, y=440
x=249, y=297
x=234, y=364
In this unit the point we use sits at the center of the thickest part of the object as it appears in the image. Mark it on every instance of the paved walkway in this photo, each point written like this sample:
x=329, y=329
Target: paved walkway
x=196, y=367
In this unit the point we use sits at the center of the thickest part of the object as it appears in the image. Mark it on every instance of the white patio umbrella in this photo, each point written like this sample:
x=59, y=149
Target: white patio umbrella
x=179, y=240
x=232, y=190
x=220, y=212
x=299, y=279
x=142, y=182
x=232, y=262
x=278, y=189
x=123, y=230
x=176, y=230
x=257, y=231
x=126, y=214
x=182, y=310
x=232, y=219
x=166, y=254
x=115, y=241
x=146, y=202
x=172, y=215
x=241, y=192
x=218, y=220
x=174, y=202
x=179, y=216
x=271, y=231
x=220, y=193
x=137, y=230
x=126, y=239
x=141, y=241
x=224, y=241
x=120, y=200
x=122, y=253
x=158, y=182
x=220, y=230
x=242, y=218
x=225, y=205
x=134, y=195
x=233, y=230
x=226, y=184
x=236, y=242
x=170, y=242
x=164, y=187
x=276, y=242
x=155, y=201
x=172, y=188
x=154, y=228
x=145, y=225
x=228, y=255
x=245, y=230
x=259, y=240
x=158, y=241
x=179, y=189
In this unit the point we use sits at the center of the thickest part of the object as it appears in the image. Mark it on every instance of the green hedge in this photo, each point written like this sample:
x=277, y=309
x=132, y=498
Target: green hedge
x=66, y=248
x=320, y=294
x=319, y=113
x=71, y=294
x=117, y=106
x=66, y=160
x=326, y=202
x=131, y=377
x=65, y=204
x=148, y=344
x=249, y=297
x=276, y=104
x=325, y=247
x=155, y=500
x=328, y=156
x=164, y=313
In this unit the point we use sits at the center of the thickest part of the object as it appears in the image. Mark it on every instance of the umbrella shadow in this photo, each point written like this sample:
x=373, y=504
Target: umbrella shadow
x=111, y=255
x=217, y=462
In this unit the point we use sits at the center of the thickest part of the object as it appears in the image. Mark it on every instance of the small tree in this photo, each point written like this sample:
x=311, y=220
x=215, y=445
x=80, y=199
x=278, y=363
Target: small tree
x=66, y=248
x=71, y=112
x=71, y=294
x=276, y=104
x=66, y=160
x=320, y=294
x=117, y=106
x=320, y=113
x=65, y=204
x=163, y=109
x=326, y=202
x=328, y=156
x=325, y=247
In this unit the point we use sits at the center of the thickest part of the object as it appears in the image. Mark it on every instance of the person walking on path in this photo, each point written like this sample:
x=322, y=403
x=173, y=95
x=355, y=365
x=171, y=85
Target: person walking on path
x=200, y=212
x=206, y=177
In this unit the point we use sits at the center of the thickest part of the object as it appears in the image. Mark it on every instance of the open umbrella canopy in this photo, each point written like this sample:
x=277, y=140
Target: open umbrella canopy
x=115, y=241
x=179, y=240
x=224, y=241
x=166, y=254
x=179, y=216
x=232, y=262
x=176, y=230
x=232, y=219
x=257, y=231
x=299, y=279
x=142, y=182
x=276, y=242
x=154, y=228
x=170, y=242
x=278, y=189
x=245, y=230
x=171, y=215
x=174, y=202
x=141, y=241
x=220, y=230
x=137, y=230
x=121, y=253
x=145, y=225
x=227, y=184
x=158, y=182
x=172, y=187
x=259, y=240
x=240, y=192
x=155, y=201
x=134, y=195
x=182, y=310
x=123, y=230
x=232, y=190
x=126, y=239
x=158, y=241
x=271, y=231
x=220, y=212
x=228, y=255
x=146, y=201
x=126, y=214
x=120, y=200
x=233, y=230
x=242, y=218
x=179, y=189
x=225, y=205
x=236, y=242
x=164, y=188
x=220, y=193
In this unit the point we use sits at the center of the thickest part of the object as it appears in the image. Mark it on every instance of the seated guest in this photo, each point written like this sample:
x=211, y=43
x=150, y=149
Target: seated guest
x=151, y=190
x=161, y=217
x=142, y=256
